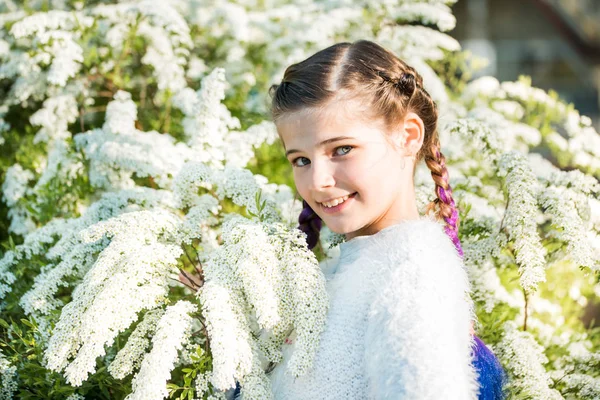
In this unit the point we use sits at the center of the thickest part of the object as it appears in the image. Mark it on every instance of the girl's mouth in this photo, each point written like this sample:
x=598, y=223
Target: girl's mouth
x=338, y=208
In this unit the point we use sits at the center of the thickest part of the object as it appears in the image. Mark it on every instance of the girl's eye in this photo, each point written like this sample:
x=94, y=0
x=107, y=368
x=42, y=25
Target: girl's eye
x=295, y=162
x=344, y=147
x=345, y=150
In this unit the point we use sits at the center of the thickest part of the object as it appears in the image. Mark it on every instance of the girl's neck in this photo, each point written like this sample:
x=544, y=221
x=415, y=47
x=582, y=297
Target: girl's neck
x=404, y=212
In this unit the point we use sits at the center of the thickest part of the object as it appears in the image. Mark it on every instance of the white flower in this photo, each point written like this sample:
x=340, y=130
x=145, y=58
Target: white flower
x=429, y=13
x=8, y=378
x=561, y=204
x=173, y=329
x=136, y=264
x=72, y=257
x=54, y=117
x=520, y=218
x=130, y=356
x=15, y=183
x=524, y=358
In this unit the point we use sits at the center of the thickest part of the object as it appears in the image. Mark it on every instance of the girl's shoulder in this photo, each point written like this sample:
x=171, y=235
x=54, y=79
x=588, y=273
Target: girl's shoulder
x=419, y=239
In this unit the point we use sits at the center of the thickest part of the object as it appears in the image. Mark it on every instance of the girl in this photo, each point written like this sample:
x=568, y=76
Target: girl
x=354, y=120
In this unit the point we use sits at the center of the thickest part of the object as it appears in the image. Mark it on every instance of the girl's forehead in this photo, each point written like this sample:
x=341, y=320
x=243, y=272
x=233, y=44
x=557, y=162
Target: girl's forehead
x=310, y=125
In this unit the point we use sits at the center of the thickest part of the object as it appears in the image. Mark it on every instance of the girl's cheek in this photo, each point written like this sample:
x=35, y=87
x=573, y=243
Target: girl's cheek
x=301, y=186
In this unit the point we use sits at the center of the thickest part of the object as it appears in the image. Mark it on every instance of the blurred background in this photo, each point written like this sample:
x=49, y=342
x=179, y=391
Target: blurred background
x=556, y=42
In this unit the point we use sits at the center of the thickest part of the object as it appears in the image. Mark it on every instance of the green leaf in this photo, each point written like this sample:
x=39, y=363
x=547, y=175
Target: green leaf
x=26, y=322
x=184, y=393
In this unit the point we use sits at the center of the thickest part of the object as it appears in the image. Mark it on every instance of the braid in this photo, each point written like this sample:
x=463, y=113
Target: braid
x=310, y=223
x=410, y=84
x=436, y=162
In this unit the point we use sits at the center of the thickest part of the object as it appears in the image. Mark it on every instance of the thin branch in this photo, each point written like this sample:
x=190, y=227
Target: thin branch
x=190, y=279
x=525, y=319
x=92, y=110
x=166, y=123
x=200, y=269
x=81, y=118
x=504, y=215
x=205, y=335
x=188, y=255
x=180, y=281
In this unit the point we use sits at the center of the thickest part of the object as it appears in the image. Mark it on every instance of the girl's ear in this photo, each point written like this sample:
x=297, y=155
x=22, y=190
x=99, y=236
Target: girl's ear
x=415, y=133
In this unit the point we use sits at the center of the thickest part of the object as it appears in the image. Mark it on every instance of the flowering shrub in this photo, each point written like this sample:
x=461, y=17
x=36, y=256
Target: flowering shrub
x=150, y=248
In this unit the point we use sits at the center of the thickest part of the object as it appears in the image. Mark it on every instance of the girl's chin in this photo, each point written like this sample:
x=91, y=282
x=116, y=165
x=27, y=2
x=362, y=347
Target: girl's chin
x=339, y=229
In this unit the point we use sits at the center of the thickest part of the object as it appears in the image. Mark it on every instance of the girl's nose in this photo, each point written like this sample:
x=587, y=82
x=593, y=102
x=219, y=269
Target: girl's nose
x=322, y=176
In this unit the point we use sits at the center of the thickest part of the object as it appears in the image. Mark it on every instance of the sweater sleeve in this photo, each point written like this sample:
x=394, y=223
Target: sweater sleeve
x=417, y=343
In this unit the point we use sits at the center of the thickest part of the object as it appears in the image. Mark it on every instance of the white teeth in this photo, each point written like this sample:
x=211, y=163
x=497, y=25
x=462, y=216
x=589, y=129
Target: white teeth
x=335, y=202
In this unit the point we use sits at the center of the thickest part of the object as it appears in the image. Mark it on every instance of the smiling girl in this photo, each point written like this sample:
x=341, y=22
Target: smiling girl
x=355, y=120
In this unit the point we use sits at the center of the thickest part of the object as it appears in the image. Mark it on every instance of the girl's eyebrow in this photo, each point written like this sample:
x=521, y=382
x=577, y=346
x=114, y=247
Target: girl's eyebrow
x=323, y=143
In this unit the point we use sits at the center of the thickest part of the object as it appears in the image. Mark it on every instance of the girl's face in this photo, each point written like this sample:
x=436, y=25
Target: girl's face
x=336, y=155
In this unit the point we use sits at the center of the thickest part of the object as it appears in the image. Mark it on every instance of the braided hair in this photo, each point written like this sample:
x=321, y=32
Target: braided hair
x=390, y=88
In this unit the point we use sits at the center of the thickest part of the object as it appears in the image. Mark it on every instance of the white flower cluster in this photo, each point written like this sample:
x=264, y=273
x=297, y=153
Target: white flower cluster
x=172, y=330
x=240, y=145
x=561, y=204
x=520, y=219
x=15, y=184
x=8, y=378
x=138, y=261
x=54, y=117
x=207, y=121
x=242, y=187
x=62, y=166
x=238, y=184
x=269, y=263
x=169, y=38
x=14, y=188
x=49, y=21
x=433, y=13
x=416, y=41
x=485, y=140
x=201, y=385
x=118, y=150
x=524, y=359
x=130, y=356
x=161, y=25
x=515, y=135
x=69, y=255
x=578, y=369
x=56, y=33
x=135, y=262
x=581, y=146
x=75, y=396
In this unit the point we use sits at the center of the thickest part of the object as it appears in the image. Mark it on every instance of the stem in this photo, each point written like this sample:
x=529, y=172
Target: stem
x=180, y=281
x=188, y=255
x=91, y=110
x=199, y=271
x=81, y=118
x=526, y=301
x=166, y=125
x=504, y=216
x=190, y=279
x=205, y=335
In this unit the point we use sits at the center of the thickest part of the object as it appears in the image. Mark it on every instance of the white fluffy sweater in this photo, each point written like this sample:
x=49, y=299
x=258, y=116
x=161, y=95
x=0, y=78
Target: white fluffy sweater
x=398, y=323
